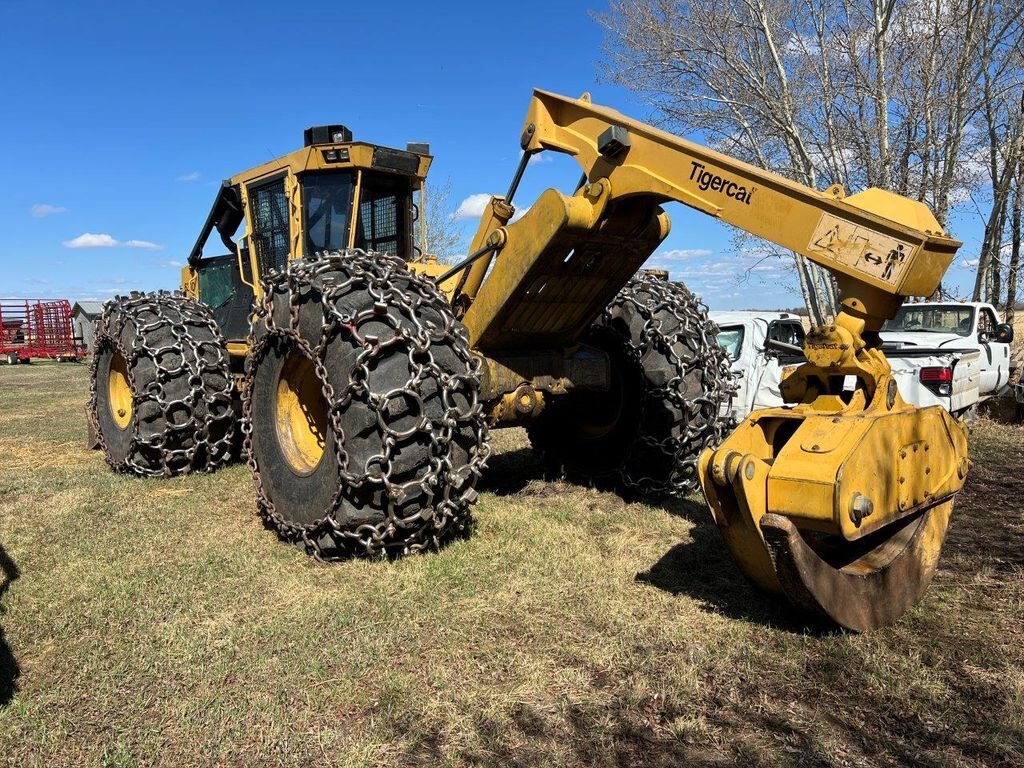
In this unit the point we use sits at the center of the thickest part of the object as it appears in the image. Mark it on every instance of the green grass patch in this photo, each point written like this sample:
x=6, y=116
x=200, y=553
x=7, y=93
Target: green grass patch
x=159, y=623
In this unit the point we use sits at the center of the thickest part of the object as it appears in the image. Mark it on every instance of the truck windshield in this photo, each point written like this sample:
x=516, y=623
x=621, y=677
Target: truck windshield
x=731, y=340
x=932, y=318
x=327, y=203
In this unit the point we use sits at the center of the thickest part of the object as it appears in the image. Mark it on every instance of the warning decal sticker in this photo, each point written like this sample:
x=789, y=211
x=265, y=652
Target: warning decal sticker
x=880, y=256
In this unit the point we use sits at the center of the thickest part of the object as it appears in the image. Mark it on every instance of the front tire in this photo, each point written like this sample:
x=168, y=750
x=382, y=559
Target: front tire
x=365, y=430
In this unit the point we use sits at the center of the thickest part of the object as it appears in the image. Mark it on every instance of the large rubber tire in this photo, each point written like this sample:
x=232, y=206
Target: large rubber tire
x=670, y=386
x=164, y=361
x=365, y=433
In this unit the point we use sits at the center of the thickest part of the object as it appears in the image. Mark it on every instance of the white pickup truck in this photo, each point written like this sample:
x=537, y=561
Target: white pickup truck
x=955, y=326
x=761, y=345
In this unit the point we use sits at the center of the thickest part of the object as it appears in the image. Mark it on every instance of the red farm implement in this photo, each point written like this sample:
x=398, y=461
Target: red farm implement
x=34, y=328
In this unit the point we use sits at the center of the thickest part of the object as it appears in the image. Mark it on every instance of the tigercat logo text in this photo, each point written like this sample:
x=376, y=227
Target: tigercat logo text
x=707, y=180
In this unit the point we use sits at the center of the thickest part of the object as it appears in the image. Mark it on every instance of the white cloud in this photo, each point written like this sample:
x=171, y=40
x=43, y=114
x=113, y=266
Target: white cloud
x=189, y=176
x=683, y=254
x=798, y=44
x=170, y=264
x=90, y=240
x=752, y=272
x=538, y=157
x=42, y=210
x=142, y=244
x=472, y=207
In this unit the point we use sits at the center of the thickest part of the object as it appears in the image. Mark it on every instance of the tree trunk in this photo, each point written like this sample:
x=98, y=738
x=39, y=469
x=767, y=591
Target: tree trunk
x=807, y=289
x=994, y=227
x=883, y=13
x=1011, y=276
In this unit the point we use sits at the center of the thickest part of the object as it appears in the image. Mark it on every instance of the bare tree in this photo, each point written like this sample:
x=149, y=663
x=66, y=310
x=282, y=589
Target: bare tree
x=721, y=69
x=863, y=93
x=436, y=221
x=1002, y=84
x=1015, y=234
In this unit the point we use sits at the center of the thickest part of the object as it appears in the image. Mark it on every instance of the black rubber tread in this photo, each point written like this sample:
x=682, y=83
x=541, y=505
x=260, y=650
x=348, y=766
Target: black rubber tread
x=671, y=383
x=407, y=438
x=183, y=420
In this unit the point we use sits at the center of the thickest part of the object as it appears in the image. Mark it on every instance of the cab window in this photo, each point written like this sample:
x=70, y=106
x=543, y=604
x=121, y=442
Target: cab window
x=986, y=325
x=786, y=331
x=932, y=318
x=731, y=340
x=270, y=229
x=385, y=210
x=326, y=202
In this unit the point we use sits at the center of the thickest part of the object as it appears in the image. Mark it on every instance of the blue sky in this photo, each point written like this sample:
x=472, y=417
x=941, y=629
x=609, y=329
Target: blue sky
x=120, y=119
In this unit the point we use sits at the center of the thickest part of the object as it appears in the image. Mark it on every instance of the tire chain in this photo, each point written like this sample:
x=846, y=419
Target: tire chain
x=176, y=312
x=379, y=275
x=702, y=424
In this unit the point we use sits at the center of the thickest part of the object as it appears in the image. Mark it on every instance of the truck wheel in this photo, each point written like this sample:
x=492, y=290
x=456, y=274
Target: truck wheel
x=161, y=395
x=670, y=380
x=365, y=433
x=968, y=415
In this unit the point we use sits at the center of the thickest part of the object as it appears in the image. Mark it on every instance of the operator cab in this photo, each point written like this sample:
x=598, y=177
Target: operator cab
x=332, y=194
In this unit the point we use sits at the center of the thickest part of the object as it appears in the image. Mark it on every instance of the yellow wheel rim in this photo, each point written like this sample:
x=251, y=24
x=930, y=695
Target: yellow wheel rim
x=119, y=391
x=300, y=413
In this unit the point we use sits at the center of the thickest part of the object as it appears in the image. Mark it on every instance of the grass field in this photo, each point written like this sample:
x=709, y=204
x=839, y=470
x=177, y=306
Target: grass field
x=159, y=623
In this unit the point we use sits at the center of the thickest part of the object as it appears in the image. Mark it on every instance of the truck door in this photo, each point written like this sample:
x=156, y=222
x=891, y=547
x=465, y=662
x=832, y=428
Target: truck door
x=731, y=338
x=995, y=363
x=774, y=360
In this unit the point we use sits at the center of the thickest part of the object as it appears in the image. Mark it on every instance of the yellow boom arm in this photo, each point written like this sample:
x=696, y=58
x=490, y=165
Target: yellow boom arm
x=880, y=246
x=840, y=500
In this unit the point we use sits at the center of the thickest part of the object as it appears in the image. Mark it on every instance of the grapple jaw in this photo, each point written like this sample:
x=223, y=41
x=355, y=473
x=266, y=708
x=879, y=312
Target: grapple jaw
x=840, y=503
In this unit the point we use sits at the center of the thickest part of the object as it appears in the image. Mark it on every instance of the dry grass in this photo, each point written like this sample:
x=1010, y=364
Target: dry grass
x=157, y=622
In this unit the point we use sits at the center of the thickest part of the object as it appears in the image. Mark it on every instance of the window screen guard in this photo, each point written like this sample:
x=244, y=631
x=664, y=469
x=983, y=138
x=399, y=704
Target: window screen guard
x=384, y=215
x=271, y=233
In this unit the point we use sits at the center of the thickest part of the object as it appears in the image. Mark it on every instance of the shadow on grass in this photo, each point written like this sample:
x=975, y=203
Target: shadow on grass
x=983, y=532
x=625, y=732
x=615, y=734
x=758, y=719
x=510, y=472
x=705, y=570
x=9, y=669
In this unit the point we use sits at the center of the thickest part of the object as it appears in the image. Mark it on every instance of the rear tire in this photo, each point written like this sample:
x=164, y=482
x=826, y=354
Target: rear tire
x=670, y=383
x=365, y=433
x=161, y=394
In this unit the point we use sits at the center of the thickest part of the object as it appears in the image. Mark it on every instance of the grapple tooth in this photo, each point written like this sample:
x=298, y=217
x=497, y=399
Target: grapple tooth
x=860, y=585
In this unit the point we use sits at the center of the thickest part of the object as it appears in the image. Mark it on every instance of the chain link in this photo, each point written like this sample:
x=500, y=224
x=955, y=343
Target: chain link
x=353, y=288
x=676, y=326
x=191, y=439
